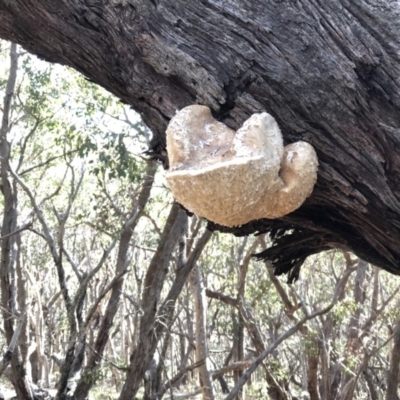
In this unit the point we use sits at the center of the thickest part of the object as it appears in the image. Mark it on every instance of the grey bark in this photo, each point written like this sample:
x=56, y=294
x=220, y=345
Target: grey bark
x=373, y=392
x=150, y=303
x=312, y=374
x=394, y=368
x=329, y=72
x=200, y=305
x=93, y=364
x=295, y=328
x=348, y=384
x=7, y=262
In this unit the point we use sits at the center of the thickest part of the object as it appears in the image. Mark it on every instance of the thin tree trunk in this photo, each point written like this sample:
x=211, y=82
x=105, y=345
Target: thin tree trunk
x=312, y=373
x=94, y=361
x=8, y=355
x=37, y=324
x=153, y=283
x=394, y=368
x=24, y=343
x=291, y=331
x=238, y=347
x=200, y=307
x=353, y=338
x=243, y=261
x=9, y=224
x=181, y=274
x=371, y=385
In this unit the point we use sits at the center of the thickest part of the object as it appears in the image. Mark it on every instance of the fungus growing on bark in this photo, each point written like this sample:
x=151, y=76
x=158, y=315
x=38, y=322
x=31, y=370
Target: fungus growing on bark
x=231, y=177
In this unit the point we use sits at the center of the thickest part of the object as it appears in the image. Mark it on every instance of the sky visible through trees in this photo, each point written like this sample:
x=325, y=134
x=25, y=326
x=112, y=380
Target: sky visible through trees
x=109, y=289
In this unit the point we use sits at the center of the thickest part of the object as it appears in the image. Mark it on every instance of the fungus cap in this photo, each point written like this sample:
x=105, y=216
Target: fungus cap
x=232, y=178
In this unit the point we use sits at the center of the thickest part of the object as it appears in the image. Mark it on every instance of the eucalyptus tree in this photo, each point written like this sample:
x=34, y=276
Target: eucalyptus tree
x=328, y=72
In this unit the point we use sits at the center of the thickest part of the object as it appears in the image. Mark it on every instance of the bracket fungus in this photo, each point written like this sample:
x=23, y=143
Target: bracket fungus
x=231, y=177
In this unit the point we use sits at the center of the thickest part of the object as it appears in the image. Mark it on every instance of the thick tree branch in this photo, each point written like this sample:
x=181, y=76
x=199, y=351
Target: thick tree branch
x=329, y=73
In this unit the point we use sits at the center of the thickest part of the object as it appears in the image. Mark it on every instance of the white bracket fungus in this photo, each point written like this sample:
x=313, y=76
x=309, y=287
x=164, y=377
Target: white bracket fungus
x=233, y=177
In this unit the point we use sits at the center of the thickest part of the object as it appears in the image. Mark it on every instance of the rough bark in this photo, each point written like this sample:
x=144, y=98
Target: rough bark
x=329, y=72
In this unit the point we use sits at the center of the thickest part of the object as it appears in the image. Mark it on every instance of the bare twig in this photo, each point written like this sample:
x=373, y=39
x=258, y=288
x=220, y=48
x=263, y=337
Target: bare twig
x=102, y=295
x=18, y=230
x=85, y=281
x=286, y=335
x=222, y=297
x=171, y=382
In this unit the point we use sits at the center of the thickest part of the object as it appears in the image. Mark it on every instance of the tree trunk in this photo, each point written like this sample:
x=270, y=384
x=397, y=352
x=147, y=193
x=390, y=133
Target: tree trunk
x=153, y=283
x=94, y=360
x=329, y=72
x=353, y=344
x=394, y=369
x=200, y=306
x=312, y=374
x=8, y=282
